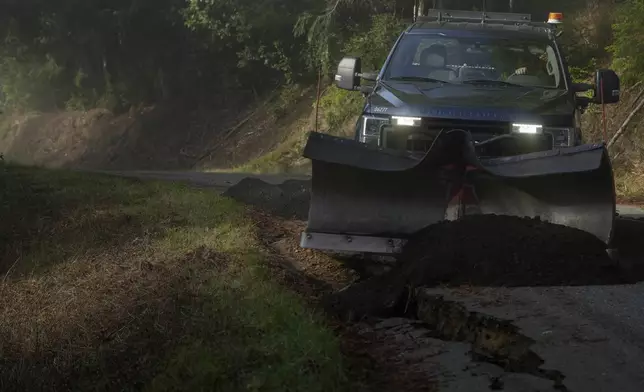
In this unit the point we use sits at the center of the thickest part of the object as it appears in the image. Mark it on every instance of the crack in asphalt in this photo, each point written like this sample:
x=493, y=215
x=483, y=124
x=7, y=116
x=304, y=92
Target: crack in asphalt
x=492, y=340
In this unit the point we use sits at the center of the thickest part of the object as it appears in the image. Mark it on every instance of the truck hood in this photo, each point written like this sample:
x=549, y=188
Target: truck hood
x=467, y=102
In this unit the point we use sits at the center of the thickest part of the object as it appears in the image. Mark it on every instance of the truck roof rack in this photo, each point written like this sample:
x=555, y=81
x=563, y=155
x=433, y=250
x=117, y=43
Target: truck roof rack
x=435, y=15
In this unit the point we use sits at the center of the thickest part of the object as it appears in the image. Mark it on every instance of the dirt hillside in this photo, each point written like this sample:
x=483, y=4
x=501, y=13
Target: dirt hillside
x=170, y=136
x=250, y=135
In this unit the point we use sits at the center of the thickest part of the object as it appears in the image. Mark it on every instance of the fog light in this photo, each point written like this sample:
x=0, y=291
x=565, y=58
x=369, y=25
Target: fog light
x=407, y=121
x=527, y=128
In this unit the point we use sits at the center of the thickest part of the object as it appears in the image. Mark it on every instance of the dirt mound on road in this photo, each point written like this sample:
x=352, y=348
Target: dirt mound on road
x=484, y=250
x=494, y=250
x=628, y=236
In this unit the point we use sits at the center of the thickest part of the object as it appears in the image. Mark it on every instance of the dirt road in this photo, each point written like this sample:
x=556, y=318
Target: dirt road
x=581, y=338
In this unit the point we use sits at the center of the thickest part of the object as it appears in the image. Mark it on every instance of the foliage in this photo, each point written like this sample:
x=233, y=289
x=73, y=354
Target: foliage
x=628, y=45
x=82, y=54
x=372, y=46
x=339, y=106
x=329, y=29
x=29, y=81
x=583, y=73
x=258, y=32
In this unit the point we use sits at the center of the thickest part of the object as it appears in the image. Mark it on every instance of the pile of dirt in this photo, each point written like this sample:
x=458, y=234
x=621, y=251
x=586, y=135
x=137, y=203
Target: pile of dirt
x=627, y=237
x=288, y=200
x=482, y=250
x=495, y=250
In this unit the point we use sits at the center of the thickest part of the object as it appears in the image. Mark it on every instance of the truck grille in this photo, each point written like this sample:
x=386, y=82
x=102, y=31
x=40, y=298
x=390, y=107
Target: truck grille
x=420, y=139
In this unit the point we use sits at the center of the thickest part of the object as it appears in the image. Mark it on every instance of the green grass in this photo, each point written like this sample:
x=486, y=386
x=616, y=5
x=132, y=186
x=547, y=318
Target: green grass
x=286, y=158
x=338, y=111
x=114, y=284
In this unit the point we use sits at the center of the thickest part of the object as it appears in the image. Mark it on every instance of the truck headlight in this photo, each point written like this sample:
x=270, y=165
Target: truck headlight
x=406, y=121
x=370, y=132
x=534, y=129
x=561, y=136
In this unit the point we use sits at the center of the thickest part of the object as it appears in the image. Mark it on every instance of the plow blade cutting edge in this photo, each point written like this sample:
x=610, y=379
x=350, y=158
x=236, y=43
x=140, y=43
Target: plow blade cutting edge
x=370, y=200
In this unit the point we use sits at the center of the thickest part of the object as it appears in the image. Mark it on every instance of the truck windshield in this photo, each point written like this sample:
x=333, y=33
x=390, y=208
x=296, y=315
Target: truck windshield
x=489, y=60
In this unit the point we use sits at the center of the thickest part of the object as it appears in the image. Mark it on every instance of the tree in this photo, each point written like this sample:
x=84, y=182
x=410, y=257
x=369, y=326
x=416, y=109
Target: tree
x=628, y=45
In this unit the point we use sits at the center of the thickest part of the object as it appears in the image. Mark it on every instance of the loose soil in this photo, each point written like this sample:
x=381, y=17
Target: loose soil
x=483, y=250
x=493, y=250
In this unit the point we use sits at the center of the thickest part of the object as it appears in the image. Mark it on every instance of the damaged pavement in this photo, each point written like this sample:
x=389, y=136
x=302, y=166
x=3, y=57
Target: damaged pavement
x=577, y=338
x=522, y=339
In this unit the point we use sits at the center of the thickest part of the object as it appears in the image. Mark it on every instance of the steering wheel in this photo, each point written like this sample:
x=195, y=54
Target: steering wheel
x=471, y=73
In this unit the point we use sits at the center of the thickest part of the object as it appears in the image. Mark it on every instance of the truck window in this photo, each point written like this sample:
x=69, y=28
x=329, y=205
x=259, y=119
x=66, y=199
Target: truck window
x=530, y=63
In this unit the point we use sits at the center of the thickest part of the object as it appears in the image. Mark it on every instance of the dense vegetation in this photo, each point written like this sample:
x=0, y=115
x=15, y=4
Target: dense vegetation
x=83, y=53
x=58, y=54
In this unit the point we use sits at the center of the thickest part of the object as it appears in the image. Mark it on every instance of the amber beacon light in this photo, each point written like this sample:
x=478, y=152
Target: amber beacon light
x=555, y=18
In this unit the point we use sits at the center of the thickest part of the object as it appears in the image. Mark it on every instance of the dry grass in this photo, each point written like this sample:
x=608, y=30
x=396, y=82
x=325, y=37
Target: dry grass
x=111, y=284
x=287, y=156
x=629, y=183
x=265, y=132
x=628, y=152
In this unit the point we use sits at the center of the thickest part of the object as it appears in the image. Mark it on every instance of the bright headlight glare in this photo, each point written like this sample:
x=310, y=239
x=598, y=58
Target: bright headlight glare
x=527, y=128
x=406, y=121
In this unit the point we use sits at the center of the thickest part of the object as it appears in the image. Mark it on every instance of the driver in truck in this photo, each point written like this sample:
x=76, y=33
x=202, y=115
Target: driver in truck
x=434, y=58
x=534, y=65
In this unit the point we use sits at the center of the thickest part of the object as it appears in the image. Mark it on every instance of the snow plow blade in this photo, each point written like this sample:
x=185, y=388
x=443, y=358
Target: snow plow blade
x=370, y=200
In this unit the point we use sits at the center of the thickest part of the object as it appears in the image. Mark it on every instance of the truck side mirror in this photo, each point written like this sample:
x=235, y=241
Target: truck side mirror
x=348, y=75
x=607, y=87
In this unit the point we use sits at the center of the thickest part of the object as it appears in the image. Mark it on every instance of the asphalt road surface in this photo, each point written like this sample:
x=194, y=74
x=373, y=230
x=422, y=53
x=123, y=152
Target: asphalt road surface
x=221, y=181
x=592, y=335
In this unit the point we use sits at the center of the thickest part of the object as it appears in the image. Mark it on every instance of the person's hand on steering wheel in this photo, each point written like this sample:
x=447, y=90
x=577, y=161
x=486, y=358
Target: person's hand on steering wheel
x=521, y=71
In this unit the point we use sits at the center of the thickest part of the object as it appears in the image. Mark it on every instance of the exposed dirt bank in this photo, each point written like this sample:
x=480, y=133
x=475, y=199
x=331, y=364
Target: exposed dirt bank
x=169, y=136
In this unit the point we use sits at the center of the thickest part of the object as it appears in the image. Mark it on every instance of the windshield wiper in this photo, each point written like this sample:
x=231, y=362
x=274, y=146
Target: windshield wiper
x=487, y=81
x=418, y=79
